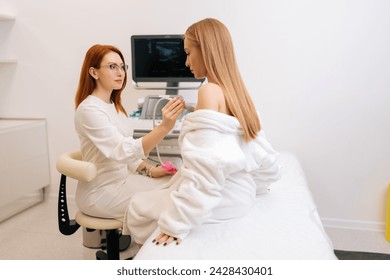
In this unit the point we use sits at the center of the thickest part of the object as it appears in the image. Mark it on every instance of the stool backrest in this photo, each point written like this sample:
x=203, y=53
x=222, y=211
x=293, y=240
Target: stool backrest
x=71, y=164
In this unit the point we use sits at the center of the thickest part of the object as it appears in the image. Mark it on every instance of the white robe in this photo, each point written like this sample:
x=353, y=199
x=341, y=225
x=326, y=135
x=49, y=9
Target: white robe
x=218, y=181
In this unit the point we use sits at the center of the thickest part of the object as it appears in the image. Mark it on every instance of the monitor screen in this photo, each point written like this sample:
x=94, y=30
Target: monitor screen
x=159, y=58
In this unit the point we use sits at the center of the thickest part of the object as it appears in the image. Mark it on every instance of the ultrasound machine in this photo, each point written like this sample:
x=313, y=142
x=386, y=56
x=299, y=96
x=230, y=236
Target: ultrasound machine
x=156, y=60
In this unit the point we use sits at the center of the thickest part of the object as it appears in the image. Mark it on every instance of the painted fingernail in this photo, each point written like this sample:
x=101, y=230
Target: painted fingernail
x=165, y=244
x=154, y=240
x=157, y=243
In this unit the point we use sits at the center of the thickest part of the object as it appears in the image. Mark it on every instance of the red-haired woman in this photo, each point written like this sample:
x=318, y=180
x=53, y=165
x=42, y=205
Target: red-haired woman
x=106, y=136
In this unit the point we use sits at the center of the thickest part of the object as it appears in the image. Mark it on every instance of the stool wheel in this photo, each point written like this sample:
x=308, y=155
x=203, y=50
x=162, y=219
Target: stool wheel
x=124, y=242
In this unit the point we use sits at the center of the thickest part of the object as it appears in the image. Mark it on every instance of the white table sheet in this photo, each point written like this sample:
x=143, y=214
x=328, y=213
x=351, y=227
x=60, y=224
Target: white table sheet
x=283, y=225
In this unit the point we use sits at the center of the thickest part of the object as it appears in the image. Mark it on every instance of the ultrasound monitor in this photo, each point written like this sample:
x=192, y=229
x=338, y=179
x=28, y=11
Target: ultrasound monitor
x=160, y=58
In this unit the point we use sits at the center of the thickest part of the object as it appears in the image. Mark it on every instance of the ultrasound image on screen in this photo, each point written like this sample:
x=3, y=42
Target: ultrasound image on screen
x=159, y=58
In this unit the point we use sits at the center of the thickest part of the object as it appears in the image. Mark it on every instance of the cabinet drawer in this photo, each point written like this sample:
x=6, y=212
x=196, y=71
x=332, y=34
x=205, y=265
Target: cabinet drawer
x=24, y=165
x=22, y=142
x=23, y=178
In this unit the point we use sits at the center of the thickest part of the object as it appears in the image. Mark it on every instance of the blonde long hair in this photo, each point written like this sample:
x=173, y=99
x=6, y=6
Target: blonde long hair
x=216, y=45
x=87, y=83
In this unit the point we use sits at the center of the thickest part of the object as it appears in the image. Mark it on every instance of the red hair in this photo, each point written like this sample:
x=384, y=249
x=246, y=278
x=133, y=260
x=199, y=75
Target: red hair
x=87, y=83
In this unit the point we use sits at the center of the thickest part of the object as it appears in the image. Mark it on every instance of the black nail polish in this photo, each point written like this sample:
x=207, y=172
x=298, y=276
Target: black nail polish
x=154, y=240
x=165, y=244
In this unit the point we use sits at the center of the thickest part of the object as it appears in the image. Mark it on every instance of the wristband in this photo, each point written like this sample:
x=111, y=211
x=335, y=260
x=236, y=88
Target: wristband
x=169, y=167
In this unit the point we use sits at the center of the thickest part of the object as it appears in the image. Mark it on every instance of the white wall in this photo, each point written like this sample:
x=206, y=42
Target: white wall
x=319, y=72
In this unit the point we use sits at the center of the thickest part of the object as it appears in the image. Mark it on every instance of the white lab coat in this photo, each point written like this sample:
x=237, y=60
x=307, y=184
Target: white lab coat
x=106, y=139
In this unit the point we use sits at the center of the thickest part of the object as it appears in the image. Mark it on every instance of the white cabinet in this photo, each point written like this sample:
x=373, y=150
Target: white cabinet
x=24, y=164
x=4, y=18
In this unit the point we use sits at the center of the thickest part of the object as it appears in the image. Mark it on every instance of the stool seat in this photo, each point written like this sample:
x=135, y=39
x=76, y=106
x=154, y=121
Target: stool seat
x=97, y=223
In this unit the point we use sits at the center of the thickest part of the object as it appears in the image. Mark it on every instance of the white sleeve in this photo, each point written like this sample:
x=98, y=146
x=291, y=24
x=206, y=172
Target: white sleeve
x=265, y=176
x=199, y=193
x=95, y=124
x=269, y=168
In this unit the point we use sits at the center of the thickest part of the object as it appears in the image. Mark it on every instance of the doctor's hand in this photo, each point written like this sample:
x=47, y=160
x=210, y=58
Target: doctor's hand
x=158, y=171
x=171, y=111
x=166, y=239
x=152, y=171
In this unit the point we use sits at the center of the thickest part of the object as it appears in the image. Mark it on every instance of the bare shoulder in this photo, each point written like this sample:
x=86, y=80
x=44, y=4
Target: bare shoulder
x=210, y=96
x=211, y=87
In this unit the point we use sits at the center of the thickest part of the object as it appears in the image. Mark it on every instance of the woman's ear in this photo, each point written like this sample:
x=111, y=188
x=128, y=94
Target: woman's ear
x=93, y=73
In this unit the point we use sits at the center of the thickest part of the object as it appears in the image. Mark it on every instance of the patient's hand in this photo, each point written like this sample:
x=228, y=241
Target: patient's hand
x=166, y=239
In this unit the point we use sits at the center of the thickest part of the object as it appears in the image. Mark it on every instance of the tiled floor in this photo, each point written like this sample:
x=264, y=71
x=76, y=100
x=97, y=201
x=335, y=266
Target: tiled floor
x=33, y=235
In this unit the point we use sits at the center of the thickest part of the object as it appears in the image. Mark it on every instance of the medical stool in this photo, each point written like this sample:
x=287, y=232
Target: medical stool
x=71, y=165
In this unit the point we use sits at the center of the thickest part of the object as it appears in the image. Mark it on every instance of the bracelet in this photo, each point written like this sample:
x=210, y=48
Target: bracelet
x=146, y=171
x=143, y=171
x=149, y=171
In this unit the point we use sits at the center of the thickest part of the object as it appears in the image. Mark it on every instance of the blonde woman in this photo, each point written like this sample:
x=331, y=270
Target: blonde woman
x=226, y=159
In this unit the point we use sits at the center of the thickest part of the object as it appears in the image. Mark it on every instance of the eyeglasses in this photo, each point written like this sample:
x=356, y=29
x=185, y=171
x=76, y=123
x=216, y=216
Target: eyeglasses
x=116, y=67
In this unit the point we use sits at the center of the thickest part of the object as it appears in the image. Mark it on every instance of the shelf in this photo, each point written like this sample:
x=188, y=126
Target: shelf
x=8, y=61
x=7, y=17
x=4, y=17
